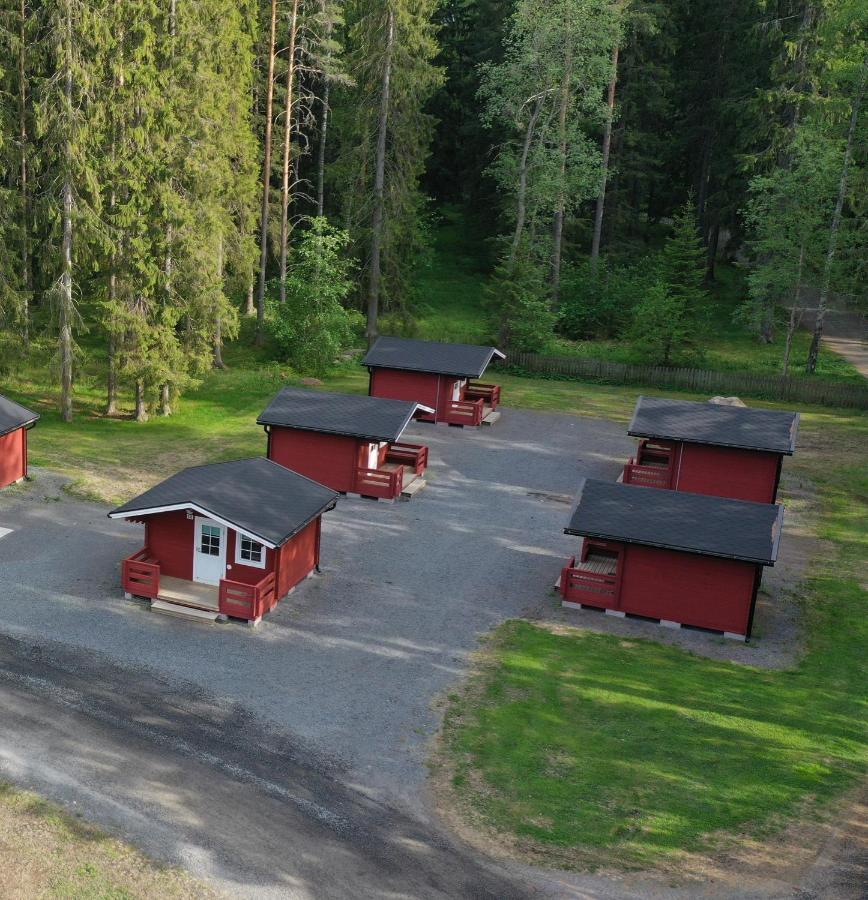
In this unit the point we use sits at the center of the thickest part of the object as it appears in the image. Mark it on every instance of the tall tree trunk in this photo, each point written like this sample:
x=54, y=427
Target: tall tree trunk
x=287, y=150
x=713, y=243
x=834, y=227
x=141, y=412
x=607, y=145
x=67, y=307
x=218, y=321
x=266, y=180
x=111, y=403
x=521, y=193
x=321, y=150
x=558, y=228
x=26, y=266
x=379, y=184
x=165, y=400
x=795, y=313
x=250, y=306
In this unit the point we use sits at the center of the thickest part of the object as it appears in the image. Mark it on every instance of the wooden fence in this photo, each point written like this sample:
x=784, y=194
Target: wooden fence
x=800, y=389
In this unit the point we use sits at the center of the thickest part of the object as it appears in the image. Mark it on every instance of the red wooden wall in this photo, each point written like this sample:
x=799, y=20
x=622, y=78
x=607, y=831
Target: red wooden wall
x=687, y=588
x=421, y=387
x=169, y=538
x=727, y=472
x=330, y=459
x=298, y=558
x=13, y=456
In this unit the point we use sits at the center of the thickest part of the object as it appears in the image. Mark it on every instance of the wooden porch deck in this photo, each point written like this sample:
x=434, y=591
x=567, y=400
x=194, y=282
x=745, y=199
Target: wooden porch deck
x=189, y=593
x=599, y=563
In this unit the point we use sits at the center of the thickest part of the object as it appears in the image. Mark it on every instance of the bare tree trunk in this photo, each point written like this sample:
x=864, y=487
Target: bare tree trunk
x=111, y=404
x=266, y=179
x=711, y=256
x=379, y=185
x=218, y=321
x=521, y=196
x=607, y=146
x=795, y=313
x=321, y=151
x=814, y=351
x=287, y=151
x=165, y=400
x=558, y=228
x=67, y=308
x=26, y=267
x=250, y=308
x=141, y=412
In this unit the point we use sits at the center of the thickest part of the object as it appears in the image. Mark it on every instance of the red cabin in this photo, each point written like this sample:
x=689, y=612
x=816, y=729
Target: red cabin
x=346, y=441
x=710, y=448
x=15, y=422
x=225, y=540
x=679, y=558
x=436, y=375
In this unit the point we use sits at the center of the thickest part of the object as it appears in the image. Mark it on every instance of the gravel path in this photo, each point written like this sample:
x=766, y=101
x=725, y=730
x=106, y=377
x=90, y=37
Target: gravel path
x=351, y=662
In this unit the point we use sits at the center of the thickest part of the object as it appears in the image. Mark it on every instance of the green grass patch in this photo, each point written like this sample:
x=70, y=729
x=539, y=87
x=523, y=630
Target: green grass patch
x=596, y=749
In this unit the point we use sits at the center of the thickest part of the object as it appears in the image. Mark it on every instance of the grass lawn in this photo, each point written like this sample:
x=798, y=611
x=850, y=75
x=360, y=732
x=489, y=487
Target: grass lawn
x=591, y=749
x=46, y=853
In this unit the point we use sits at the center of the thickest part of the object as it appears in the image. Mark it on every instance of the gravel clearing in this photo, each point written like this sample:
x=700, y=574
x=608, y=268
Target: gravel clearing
x=351, y=662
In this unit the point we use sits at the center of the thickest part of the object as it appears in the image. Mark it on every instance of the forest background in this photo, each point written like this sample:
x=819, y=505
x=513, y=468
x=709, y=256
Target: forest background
x=633, y=180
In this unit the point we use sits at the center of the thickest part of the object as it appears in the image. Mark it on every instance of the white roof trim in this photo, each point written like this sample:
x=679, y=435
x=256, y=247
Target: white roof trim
x=498, y=353
x=174, y=507
x=426, y=409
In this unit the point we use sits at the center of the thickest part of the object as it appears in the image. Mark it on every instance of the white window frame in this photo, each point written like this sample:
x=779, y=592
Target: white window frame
x=239, y=560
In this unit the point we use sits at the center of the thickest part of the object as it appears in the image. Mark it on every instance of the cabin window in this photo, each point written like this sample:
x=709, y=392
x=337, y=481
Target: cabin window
x=249, y=552
x=210, y=543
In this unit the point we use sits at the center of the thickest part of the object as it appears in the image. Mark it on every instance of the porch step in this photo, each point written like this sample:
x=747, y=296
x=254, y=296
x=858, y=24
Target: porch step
x=491, y=418
x=184, y=612
x=410, y=490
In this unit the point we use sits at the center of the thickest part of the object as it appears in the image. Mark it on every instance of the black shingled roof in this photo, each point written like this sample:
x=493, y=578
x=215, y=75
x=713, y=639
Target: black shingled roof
x=14, y=416
x=715, y=423
x=678, y=520
x=257, y=496
x=371, y=418
x=464, y=360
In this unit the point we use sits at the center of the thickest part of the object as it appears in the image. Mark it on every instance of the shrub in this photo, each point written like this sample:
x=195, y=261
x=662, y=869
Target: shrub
x=313, y=326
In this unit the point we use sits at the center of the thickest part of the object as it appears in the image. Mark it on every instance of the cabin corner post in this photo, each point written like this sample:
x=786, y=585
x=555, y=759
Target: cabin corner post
x=779, y=467
x=757, y=580
x=317, y=542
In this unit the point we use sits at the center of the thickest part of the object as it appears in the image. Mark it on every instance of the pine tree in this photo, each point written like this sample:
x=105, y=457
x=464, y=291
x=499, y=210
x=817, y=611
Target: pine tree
x=385, y=136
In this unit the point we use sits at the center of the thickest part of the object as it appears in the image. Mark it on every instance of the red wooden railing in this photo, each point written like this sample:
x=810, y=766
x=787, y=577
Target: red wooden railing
x=248, y=601
x=464, y=412
x=140, y=574
x=413, y=455
x=590, y=588
x=646, y=476
x=380, y=482
x=488, y=393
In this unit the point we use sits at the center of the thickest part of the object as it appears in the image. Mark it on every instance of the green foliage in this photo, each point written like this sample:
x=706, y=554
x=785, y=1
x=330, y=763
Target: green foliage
x=518, y=296
x=660, y=329
x=599, y=301
x=313, y=326
x=413, y=80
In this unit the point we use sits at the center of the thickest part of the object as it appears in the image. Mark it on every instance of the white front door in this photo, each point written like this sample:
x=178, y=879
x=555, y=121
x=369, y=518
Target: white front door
x=456, y=389
x=209, y=551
